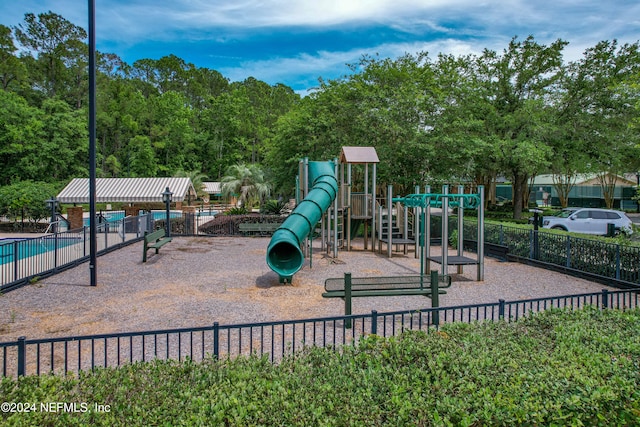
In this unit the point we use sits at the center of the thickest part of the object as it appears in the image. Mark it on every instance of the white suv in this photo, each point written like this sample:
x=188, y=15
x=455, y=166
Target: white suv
x=588, y=220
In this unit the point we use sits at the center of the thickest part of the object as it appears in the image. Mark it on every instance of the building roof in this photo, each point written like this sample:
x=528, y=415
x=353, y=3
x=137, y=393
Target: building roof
x=359, y=155
x=212, y=187
x=582, y=179
x=127, y=190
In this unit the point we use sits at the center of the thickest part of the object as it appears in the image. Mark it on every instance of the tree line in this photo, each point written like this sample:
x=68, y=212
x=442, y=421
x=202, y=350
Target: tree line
x=469, y=118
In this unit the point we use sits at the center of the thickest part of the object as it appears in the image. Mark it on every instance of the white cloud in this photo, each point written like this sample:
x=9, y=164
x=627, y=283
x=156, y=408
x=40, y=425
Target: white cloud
x=252, y=13
x=333, y=64
x=448, y=26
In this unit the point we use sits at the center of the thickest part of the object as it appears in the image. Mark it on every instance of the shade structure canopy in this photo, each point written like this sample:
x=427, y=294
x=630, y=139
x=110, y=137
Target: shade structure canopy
x=127, y=190
x=213, y=188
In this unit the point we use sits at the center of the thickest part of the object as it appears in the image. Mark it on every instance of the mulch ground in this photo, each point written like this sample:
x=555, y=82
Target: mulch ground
x=196, y=281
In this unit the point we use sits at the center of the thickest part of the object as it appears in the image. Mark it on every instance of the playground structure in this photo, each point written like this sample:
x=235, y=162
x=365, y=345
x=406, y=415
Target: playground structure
x=324, y=197
x=320, y=198
x=284, y=253
x=422, y=204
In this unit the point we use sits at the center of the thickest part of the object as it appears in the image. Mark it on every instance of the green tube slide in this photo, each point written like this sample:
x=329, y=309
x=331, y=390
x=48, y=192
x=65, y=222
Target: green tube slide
x=284, y=254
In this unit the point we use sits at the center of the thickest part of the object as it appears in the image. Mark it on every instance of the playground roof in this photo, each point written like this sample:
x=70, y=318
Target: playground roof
x=359, y=155
x=127, y=190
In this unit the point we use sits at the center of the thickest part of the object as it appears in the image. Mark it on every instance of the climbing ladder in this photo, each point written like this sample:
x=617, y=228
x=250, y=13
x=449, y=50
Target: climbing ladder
x=334, y=234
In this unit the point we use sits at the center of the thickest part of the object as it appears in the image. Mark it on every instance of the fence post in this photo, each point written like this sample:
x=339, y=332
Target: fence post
x=374, y=322
x=501, y=235
x=55, y=250
x=435, y=298
x=22, y=356
x=16, y=260
x=216, y=340
x=605, y=298
x=568, y=251
x=618, y=262
x=531, y=245
x=501, y=309
x=347, y=299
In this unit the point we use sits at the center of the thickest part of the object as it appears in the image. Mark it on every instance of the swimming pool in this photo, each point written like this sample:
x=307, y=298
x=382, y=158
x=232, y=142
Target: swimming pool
x=157, y=215
x=28, y=247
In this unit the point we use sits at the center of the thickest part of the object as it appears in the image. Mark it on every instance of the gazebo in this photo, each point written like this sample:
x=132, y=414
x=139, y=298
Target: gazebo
x=123, y=190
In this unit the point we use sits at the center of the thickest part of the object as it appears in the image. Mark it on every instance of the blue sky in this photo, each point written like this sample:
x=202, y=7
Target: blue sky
x=295, y=42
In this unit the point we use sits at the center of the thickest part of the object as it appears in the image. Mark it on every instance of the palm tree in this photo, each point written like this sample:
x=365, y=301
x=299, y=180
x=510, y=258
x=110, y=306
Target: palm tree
x=197, y=180
x=247, y=181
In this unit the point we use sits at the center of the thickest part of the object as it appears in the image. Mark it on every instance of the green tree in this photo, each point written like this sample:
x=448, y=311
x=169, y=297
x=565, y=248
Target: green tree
x=518, y=83
x=57, y=46
x=248, y=182
x=122, y=114
x=21, y=130
x=142, y=159
x=62, y=151
x=172, y=133
x=219, y=126
x=462, y=142
x=606, y=97
x=26, y=200
x=12, y=70
x=197, y=180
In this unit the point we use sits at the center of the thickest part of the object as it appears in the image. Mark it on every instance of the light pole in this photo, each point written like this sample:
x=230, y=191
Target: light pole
x=52, y=203
x=166, y=198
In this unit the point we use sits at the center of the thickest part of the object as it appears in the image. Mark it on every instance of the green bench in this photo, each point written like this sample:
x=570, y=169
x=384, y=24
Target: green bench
x=259, y=228
x=155, y=241
x=349, y=287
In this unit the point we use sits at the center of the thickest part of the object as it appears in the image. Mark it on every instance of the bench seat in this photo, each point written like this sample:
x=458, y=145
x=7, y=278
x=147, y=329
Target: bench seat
x=154, y=240
x=348, y=287
x=382, y=293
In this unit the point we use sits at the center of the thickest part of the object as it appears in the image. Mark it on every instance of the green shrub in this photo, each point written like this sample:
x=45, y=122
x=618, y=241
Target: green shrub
x=273, y=207
x=238, y=210
x=560, y=367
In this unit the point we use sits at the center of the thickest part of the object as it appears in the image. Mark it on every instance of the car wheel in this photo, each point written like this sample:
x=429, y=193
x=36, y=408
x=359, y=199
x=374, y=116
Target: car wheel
x=558, y=227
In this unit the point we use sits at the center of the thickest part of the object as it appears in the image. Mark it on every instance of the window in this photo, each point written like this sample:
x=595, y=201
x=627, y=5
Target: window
x=582, y=214
x=599, y=215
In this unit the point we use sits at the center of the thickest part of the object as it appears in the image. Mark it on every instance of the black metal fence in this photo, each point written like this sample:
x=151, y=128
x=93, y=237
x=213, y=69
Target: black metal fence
x=274, y=340
x=25, y=259
x=613, y=263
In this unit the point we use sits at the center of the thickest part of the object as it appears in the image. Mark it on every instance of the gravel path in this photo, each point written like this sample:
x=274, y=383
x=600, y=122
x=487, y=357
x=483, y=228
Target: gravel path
x=195, y=281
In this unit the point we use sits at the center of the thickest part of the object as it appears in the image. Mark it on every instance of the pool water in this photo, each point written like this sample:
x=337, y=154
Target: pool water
x=31, y=246
x=27, y=247
x=157, y=215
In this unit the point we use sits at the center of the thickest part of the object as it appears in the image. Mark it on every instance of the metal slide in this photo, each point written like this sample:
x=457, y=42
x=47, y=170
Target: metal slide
x=284, y=254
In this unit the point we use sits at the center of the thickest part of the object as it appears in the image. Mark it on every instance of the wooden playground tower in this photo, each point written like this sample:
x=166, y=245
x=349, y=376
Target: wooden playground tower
x=349, y=209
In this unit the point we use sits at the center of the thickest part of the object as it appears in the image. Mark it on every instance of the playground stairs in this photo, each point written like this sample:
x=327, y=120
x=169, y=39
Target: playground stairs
x=396, y=231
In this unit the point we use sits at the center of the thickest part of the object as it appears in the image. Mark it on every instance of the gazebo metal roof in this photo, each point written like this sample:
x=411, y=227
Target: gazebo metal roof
x=127, y=190
x=212, y=187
